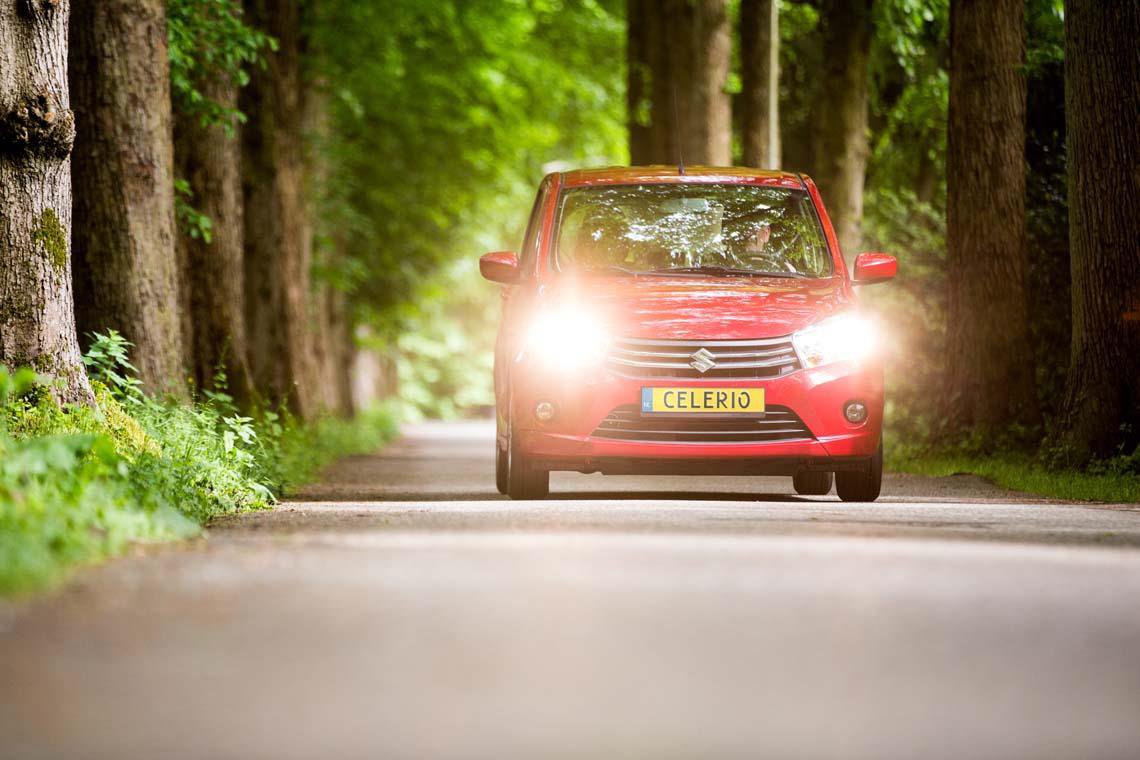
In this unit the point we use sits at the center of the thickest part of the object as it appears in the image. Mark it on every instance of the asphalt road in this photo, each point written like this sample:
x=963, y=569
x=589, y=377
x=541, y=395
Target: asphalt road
x=403, y=610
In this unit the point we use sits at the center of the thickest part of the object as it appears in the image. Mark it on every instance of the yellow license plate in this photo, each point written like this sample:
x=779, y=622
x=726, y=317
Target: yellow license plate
x=702, y=400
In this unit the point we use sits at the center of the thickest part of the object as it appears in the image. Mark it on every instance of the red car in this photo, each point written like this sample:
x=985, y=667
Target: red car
x=686, y=322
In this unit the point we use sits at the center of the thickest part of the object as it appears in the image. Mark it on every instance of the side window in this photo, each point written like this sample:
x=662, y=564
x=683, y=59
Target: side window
x=529, y=250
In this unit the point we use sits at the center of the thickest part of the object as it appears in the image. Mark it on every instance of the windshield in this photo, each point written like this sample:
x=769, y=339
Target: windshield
x=690, y=229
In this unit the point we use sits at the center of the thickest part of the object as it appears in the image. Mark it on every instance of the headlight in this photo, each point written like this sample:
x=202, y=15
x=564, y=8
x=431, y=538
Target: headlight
x=567, y=339
x=847, y=337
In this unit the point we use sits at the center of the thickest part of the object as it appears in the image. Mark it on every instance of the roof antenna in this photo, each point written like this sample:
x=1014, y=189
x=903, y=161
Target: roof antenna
x=677, y=135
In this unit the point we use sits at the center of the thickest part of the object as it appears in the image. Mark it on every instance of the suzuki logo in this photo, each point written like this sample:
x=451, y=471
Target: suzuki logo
x=703, y=360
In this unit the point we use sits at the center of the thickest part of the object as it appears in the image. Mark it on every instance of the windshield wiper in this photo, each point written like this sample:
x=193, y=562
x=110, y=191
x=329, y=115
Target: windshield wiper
x=713, y=270
x=615, y=268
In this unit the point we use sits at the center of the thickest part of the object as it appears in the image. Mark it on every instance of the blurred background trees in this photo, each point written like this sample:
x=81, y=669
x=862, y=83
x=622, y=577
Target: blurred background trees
x=333, y=168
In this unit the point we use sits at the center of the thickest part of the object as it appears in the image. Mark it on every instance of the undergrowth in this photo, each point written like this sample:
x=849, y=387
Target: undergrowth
x=79, y=484
x=1110, y=480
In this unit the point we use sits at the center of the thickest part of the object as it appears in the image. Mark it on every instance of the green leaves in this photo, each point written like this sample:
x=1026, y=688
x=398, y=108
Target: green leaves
x=108, y=362
x=78, y=484
x=191, y=221
x=209, y=42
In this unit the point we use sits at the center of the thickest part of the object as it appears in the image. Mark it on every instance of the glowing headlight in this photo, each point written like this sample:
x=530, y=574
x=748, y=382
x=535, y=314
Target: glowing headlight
x=567, y=339
x=847, y=337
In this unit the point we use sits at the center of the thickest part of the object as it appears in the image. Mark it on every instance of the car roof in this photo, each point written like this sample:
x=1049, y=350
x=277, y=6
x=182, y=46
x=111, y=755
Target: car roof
x=671, y=174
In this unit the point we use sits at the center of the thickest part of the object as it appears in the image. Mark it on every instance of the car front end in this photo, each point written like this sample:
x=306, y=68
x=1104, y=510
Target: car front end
x=810, y=400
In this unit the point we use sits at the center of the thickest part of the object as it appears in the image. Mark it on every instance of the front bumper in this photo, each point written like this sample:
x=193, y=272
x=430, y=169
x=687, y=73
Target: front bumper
x=583, y=400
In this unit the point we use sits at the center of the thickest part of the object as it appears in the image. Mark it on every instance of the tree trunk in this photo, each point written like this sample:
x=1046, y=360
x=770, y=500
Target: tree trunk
x=209, y=158
x=639, y=83
x=335, y=350
x=126, y=273
x=684, y=47
x=326, y=247
x=37, y=129
x=708, y=115
x=276, y=255
x=840, y=146
x=991, y=376
x=760, y=65
x=1102, y=99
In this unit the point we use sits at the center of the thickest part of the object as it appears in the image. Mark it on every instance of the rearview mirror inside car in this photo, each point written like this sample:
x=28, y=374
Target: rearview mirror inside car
x=500, y=266
x=874, y=267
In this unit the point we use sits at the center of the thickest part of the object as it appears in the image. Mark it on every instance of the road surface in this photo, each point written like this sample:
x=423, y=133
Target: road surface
x=403, y=610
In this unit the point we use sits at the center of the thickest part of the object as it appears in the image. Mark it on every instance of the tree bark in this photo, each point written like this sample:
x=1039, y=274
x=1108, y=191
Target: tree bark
x=639, y=82
x=326, y=246
x=37, y=130
x=684, y=47
x=760, y=66
x=126, y=273
x=213, y=281
x=1101, y=410
x=705, y=107
x=335, y=350
x=276, y=255
x=991, y=368
x=839, y=154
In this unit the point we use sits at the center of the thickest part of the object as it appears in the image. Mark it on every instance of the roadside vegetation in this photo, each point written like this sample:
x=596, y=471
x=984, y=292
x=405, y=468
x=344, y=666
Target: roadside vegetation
x=80, y=483
x=1114, y=480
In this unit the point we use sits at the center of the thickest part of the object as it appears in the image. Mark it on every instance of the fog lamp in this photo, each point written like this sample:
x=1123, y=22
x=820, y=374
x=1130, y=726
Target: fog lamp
x=855, y=412
x=544, y=411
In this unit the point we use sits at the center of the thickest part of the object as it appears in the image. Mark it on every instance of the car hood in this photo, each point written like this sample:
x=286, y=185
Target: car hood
x=702, y=308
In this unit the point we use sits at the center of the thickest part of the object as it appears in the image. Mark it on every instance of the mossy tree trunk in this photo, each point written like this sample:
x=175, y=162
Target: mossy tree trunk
x=213, y=279
x=839, y=146
x=991, y=376
x=1101, y=410
x=760, y=72
x=277, y=256
x=37, y=129
x=124, y=235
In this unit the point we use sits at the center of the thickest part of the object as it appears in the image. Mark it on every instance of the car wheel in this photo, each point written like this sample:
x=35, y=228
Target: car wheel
x=809, y=483
x=502, y=468
x=502, y=463
x=526, y=479
x=862, y=486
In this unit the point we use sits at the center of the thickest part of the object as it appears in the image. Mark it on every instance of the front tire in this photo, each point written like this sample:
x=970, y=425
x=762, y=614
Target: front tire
x=527, y=481
x=862, y=486
x=809, y=483
x=502, y=468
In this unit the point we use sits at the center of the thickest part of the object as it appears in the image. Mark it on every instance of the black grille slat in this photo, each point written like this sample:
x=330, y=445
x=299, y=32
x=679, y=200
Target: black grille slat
x=735, y=359
x=627, y=423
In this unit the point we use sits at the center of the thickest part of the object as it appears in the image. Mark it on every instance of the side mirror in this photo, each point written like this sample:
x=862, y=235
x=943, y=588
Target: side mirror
x=500, y=266
x=874, y=267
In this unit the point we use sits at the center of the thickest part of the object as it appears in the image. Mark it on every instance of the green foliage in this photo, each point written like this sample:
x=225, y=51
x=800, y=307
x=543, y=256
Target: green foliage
x=445, y=353
x=1109, y=481
x=209, y=42
x=79, y=484
x=444, y=117
x=191, y=221
x=108, y=362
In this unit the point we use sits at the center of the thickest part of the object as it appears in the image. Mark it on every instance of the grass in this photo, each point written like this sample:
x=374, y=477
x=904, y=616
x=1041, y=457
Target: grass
x=81, y=484
x=1021, y=473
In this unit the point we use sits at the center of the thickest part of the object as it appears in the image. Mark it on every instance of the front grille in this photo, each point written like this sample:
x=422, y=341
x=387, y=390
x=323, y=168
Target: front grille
x=731, y=359
x=627, y=423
